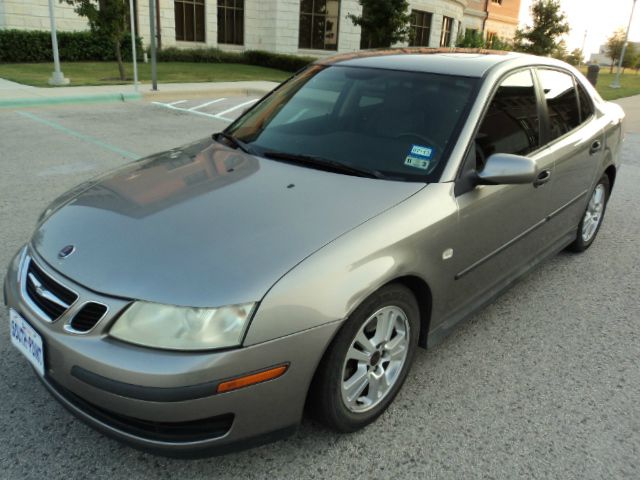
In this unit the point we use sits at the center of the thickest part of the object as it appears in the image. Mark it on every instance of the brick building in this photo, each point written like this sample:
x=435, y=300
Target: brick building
x=502, y=18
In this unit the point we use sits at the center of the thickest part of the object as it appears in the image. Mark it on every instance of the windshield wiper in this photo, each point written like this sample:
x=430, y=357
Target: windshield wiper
x=235, y=142
x=322, y=163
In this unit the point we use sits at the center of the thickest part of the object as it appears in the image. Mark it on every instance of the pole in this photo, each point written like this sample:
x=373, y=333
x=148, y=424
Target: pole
x=152, y=23
x=57, y=77
x=616, y=81
x=584, y=42
x=133, y=47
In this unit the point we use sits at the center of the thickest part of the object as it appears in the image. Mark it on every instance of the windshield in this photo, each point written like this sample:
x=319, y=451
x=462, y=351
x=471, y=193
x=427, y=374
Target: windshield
x=395, y=123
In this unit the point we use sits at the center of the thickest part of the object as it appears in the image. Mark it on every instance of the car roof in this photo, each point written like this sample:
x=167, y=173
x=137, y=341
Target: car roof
x=468, y=62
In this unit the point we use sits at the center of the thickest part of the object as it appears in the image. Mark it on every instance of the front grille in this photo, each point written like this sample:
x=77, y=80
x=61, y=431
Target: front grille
x=90, y=314
x=52, y=298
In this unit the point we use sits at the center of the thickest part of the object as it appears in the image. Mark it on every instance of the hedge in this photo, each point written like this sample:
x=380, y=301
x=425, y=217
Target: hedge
x=288, y=63
x=20, y=46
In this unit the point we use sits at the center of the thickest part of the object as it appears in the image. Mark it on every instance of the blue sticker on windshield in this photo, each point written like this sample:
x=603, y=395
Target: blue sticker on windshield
x=422, y=151
x=419, y=157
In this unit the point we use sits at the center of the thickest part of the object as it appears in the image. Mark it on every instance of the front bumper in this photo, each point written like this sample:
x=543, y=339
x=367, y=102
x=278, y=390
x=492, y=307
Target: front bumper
x=158, y=400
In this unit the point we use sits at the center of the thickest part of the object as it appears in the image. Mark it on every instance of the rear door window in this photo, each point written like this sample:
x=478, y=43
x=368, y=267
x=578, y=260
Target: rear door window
x=562, y=101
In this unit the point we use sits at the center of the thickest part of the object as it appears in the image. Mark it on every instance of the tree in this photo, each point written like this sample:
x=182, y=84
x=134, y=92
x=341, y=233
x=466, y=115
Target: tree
x=383, y=22
x=560, y=51
x=549, y=24
x=630, y=57
x=613, y=49
x=576, y=57
x=107, y=18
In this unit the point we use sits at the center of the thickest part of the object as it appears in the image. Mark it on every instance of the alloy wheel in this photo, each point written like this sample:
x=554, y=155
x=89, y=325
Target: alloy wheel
x=375, y=359
x=593, y=215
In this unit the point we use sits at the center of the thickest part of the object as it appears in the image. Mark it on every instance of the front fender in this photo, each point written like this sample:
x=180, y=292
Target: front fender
x=330, y=284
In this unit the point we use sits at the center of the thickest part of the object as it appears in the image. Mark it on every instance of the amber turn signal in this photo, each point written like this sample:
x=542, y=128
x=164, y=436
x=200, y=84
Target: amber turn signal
x=252, y=379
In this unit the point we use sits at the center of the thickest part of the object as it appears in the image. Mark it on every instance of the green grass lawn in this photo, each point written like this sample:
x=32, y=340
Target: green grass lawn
x=106, y=73
x=629, y=81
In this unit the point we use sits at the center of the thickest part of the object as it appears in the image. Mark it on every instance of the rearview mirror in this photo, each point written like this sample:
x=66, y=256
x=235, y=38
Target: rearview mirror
x=504, y=168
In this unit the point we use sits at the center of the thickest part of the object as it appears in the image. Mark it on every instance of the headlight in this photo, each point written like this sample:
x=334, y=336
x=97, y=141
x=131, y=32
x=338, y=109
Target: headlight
x=182, y=328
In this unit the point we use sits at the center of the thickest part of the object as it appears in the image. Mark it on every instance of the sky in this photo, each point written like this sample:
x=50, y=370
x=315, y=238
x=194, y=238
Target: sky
x=599, y=18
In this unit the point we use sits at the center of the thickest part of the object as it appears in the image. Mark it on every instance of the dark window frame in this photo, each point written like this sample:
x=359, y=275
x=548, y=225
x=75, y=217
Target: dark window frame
x=462, y=181
x=580, y=88
x=509, y=104
x=237, y=38
x=548, y=141
x=314, y=15
x=197, y=27
x=422, y=27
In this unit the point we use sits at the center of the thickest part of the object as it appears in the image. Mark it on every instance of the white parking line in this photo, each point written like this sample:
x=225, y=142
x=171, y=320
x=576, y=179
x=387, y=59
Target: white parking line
x=206, y=104
x=194, y=112
x=220, y=115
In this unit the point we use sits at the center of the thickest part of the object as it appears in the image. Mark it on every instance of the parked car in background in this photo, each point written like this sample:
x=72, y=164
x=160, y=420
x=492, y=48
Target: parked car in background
x=198, y=300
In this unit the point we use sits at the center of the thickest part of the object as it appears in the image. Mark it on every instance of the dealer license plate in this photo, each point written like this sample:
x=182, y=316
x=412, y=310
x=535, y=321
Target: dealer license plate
x=27, y=340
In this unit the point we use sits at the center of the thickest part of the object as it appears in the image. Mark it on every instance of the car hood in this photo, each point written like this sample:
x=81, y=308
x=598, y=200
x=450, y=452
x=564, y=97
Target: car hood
x=204, y=225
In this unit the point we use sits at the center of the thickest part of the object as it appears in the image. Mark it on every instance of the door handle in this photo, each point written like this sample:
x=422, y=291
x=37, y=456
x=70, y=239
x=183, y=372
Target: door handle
x=595, y=147
x=543, y=177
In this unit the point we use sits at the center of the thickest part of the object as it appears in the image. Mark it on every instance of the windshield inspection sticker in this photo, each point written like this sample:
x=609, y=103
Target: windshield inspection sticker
x=419, y=157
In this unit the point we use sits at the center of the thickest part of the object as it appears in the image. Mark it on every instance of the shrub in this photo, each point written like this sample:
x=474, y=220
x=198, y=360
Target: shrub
x=21, y=46
x=288, y=63
x=475, y=39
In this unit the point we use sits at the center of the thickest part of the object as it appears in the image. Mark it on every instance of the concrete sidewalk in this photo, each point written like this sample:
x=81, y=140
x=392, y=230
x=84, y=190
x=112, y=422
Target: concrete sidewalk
x=14, y=95
x=631, y=106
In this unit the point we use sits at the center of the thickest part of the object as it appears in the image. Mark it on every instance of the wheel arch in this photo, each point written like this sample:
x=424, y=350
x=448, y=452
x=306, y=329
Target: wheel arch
x=611, y=173
x=421, y=290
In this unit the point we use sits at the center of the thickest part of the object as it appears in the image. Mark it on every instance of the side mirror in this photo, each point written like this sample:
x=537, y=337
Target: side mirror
x=504, y=168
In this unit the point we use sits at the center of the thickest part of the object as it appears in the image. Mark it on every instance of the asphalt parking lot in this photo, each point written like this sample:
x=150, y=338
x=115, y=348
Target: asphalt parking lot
x=543, y=383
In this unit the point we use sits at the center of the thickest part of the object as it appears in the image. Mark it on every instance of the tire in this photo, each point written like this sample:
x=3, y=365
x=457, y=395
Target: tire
x=587, y=229
x=387, y=369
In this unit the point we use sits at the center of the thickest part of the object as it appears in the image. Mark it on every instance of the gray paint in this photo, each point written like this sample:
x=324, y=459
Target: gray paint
x=405, y=233
x=221, y=238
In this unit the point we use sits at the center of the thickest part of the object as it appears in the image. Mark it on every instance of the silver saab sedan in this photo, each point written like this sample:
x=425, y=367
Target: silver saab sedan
x=198, y=300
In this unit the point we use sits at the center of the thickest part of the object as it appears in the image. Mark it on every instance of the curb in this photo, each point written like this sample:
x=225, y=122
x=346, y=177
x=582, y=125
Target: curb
x=190, y=93
x=40, y=101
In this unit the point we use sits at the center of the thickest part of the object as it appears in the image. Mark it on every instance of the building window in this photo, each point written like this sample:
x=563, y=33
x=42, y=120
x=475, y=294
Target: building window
x=420, y=28
x=499, y=2
x=319, y=24
x=189, y=16
x=445, y=36
x=491, y=36
x=231, y=21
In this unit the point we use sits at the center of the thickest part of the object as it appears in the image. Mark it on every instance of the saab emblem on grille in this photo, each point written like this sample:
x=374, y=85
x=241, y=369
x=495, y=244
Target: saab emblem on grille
x=66, y=251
